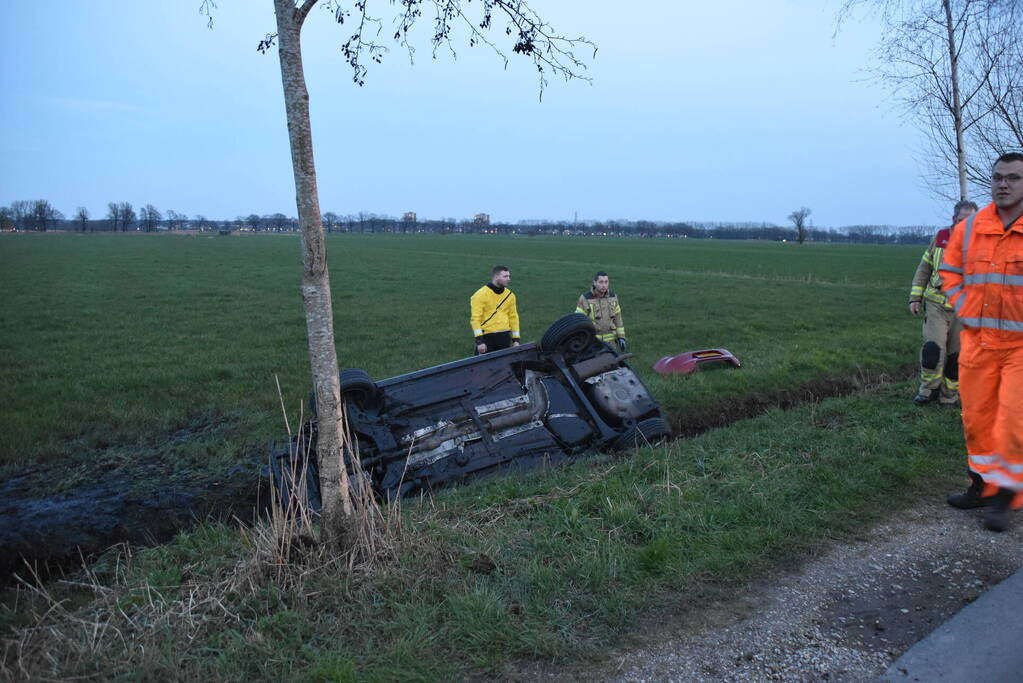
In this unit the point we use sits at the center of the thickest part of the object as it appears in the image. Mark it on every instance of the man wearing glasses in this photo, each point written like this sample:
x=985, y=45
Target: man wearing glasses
x=982, y=275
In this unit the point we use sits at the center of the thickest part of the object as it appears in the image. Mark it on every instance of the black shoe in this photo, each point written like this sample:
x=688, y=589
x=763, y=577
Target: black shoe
x=970, y=498
x=922, y=399
x=997, y=516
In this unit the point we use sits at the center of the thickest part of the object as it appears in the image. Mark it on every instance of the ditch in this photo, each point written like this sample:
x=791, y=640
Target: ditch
x=106, y=501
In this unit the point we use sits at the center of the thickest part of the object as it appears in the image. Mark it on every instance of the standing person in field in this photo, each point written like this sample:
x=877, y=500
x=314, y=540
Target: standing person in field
x=494, y=316
x=982, y=275
x=939, y=355
x=604, y=309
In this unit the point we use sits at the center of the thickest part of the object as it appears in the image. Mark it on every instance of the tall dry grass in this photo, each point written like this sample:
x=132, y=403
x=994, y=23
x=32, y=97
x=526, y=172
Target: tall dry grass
x=120, y=618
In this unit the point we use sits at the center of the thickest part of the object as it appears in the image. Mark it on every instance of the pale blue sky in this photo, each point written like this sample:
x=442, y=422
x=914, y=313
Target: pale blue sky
x=696, y=111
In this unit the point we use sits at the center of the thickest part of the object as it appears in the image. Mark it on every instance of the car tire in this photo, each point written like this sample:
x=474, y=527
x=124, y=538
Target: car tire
x=357, y=387
x=569, y=335
x=652, y=430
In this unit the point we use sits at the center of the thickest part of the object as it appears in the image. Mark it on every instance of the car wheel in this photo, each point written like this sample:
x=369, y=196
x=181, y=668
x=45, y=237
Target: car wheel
x=652, y=430
x=570, y=335
x=357, y=387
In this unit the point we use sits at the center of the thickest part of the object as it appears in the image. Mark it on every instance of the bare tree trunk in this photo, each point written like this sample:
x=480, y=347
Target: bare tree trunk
x=334, y=485
x=957, y=109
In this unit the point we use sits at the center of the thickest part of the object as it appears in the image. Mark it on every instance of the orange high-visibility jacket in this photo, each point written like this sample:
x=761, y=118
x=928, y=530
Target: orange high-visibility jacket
x=982, y=275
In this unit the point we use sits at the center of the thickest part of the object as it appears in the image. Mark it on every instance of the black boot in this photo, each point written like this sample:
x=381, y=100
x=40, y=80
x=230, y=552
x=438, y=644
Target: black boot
x=971, y=497
x=997, y=516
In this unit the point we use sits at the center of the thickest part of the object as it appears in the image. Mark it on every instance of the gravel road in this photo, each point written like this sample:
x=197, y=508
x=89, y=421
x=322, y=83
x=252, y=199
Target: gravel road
x=843, y=616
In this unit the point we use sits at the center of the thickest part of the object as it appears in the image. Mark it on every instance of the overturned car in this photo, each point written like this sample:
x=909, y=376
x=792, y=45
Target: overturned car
x=567, y=396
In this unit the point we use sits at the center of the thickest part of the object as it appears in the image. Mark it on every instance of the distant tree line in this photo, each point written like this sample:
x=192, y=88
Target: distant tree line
x=39, y=215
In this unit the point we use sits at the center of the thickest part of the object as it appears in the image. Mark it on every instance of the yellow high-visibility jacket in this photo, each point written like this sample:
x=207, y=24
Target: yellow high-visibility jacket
x=493, y=309
x=927, y=280
x=605, y=312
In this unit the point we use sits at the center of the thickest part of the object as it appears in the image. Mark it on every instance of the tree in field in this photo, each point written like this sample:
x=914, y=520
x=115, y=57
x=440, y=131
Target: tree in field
x=932, y=55
x=113, y=215
x=530, y=36
x=127, y=214
x=6, y=218
x=277, y=222
x=121, y=215
x=149, y=217
x=21, y=210
x=82, y=218
x=800, y=220
x=330, y=221
x=44, y=216
x=199, y=221
x=175, y=220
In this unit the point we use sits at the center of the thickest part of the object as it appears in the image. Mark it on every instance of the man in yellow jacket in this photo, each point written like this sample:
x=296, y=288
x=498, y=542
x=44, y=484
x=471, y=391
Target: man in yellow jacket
x=982, y=275
x=494, y=316
x=939, y=355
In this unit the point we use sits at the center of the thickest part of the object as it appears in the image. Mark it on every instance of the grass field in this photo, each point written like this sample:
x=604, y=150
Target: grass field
x=112, y=342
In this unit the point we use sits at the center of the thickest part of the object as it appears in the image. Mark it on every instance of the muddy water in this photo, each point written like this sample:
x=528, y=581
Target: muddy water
x=139, y=504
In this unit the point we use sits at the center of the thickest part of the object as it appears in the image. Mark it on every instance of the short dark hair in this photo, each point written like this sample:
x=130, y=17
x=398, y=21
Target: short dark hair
x=1009, y=157
x=497, y=269
x=964, y=204
x=599, y=274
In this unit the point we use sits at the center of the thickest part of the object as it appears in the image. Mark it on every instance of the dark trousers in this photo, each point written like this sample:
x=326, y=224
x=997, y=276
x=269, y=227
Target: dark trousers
x=495, y=341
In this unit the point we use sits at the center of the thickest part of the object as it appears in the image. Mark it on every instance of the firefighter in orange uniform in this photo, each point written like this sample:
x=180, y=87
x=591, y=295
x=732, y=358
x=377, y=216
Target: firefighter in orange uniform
x=982, y=275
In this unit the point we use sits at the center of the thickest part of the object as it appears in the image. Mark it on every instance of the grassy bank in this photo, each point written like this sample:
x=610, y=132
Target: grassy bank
x=116, y=344
x=554, y=564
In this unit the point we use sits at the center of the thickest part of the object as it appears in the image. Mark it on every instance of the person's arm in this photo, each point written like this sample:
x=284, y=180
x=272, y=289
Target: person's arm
x=513, y=320
x=580, y=306
x=951, y=269
x=921, y=278
x=476, y=320
x=616, y=318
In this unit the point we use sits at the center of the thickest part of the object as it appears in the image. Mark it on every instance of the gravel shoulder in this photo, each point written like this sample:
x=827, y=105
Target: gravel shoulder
x=845, y=615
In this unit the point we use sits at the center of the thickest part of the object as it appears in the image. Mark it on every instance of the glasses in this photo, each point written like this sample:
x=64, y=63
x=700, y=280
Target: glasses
x=1012, y=178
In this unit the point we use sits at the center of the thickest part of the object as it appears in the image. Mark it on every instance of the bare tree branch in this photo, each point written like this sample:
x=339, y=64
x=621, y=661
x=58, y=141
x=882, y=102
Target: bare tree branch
x=932, y=57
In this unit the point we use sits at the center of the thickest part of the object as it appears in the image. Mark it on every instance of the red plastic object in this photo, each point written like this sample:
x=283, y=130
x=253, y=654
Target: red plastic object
x=686, y=363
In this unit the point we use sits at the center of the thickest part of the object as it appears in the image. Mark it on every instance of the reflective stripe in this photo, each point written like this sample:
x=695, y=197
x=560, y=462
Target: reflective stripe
x=955, y=290
x=952, y=384
x=1002, y=479
x=959, y=303
x=579, y=310
x=997, y=461
x=966, y=237
x=515, y=334
x=991, y=323
x=951, y=269
x=994, y=279
x=477, y=333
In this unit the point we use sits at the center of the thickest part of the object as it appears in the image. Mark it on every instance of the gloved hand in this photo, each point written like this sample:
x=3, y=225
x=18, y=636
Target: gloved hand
x=621, y=345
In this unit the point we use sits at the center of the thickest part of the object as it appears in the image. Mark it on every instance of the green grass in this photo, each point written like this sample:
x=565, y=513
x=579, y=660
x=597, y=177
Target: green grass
x=580, y=553
x=115, y=343
x=130, y=346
